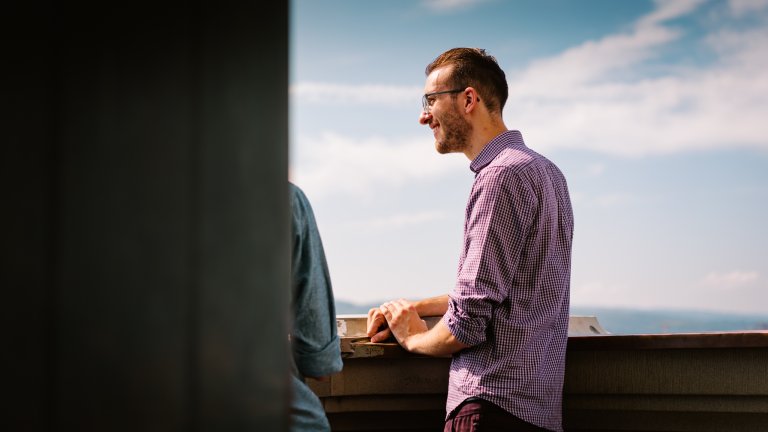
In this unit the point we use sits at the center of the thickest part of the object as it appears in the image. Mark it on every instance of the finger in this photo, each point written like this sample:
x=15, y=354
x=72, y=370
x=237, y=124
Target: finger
x=402, y=303
x=374, y=324
x=386, y=309
x=373, y=314
x=382, y=335
x=400, y=307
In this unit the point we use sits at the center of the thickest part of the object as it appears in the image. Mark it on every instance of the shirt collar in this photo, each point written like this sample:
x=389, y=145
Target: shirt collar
x=494, y=147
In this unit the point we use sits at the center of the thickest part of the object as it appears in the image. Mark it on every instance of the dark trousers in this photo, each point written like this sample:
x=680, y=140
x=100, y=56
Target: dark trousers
x=477, y=415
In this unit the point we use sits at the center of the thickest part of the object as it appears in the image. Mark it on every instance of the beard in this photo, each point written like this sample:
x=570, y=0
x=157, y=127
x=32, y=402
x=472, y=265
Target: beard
x=456, y=132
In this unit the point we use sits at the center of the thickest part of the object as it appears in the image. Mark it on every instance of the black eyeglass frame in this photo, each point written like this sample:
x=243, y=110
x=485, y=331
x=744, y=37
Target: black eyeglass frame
x=425, y=99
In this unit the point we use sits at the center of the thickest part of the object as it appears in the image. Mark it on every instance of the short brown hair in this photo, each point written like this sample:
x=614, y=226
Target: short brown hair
x=473, y=67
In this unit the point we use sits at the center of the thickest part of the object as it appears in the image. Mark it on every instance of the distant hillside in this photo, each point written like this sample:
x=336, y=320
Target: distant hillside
x=632, y=321
x=344, y=307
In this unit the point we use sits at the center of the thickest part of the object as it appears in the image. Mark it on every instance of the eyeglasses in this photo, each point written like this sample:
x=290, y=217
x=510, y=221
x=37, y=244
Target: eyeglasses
x=428, y=99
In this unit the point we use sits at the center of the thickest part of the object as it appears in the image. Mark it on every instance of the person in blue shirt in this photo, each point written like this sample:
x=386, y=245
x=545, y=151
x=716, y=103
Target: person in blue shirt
x=314, y=341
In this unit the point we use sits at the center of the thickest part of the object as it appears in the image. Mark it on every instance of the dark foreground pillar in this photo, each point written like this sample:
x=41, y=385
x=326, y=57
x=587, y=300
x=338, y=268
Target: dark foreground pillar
x=144, y=216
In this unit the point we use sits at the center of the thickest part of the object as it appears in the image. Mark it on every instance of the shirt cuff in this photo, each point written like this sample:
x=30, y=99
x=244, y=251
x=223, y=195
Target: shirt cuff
x=320, y=363
x=468, y=330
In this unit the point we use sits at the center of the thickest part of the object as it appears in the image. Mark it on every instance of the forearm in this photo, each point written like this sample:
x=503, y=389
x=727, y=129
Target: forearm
x=433, y=306
x=438, y=341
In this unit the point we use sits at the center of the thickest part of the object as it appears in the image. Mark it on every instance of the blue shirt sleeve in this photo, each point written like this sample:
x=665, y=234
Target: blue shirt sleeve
x=314, y=341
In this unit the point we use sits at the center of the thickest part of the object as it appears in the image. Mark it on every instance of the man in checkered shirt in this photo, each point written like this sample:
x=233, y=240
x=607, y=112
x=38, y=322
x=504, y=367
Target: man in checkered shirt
x=506, y=321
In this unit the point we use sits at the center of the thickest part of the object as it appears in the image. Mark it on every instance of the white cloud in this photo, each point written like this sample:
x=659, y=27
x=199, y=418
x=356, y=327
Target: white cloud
x=668, y=10
x=738, y=50
x=343, y=164
x=450, y=5
x=640, y=293
x=595, y=169
x=578, y=197
x=589, y=289
x=594, y=96
x=600, y=293
x=608, y=200
x=406, y=219
x=615, y=200
x=361, y=94
x=742, y=7
x=579, y=71
x=730, y=280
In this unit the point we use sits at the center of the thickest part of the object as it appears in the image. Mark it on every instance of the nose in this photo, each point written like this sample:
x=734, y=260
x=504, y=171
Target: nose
x=425, y=117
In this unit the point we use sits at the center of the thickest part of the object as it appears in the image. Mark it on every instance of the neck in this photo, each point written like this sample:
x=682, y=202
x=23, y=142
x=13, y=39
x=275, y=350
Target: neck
x=482, y=135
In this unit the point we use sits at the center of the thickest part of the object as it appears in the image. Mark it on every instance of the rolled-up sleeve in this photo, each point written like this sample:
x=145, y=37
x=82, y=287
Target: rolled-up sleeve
x=467, y=320
x=319, y=361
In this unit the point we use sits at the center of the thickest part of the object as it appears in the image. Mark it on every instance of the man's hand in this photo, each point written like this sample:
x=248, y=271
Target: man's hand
x=403, y=320
x=377, y=325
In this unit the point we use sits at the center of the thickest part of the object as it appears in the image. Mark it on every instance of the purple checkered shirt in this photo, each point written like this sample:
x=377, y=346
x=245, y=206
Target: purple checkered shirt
x=510, y=303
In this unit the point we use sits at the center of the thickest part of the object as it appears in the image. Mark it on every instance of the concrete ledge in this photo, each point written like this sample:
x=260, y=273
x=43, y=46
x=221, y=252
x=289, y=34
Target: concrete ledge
x=670, y=382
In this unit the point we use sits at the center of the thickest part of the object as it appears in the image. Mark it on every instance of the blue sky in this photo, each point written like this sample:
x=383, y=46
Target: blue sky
x=657, y=113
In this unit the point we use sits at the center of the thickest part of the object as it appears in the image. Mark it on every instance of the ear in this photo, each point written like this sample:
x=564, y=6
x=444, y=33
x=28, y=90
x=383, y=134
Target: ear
x=471, y=99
